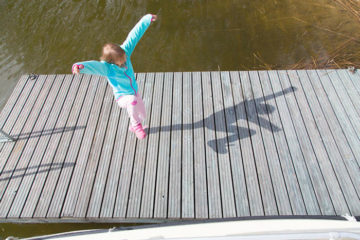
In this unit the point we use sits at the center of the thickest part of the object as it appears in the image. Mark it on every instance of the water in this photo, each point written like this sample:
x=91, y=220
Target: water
x=47, y=37
x=30, y=230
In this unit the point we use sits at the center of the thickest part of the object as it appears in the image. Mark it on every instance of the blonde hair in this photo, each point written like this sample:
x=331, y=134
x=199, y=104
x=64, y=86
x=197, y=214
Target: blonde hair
x=112, y=53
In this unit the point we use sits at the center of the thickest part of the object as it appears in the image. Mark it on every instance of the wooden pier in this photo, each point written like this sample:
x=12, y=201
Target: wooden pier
x=219, y=145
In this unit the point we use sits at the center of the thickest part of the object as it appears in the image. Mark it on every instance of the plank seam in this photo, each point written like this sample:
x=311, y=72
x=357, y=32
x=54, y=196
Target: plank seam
x=251, y=142
x=239, y=138
x=158, y=147
x=206, y=163
x=181, y=142
x=171, y=119
x=228, y=140
x=217, y=157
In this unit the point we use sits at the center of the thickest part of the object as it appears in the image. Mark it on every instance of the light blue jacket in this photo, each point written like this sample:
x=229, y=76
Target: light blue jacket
x=121, y=79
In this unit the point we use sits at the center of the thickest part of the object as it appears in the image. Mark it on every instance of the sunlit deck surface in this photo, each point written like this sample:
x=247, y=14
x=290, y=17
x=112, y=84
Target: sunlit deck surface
x=219, y=145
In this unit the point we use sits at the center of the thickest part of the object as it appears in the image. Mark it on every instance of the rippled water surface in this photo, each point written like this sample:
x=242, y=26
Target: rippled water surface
x=46, y=37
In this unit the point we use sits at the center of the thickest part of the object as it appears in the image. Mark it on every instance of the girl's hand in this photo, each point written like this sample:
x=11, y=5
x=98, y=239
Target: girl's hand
x=154, y=18
x=75, y=69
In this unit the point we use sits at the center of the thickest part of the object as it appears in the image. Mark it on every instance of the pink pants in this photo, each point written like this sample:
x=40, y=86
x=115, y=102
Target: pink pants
x=135, y=108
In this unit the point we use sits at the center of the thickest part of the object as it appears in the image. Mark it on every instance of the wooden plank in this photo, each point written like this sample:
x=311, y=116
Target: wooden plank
x=148, y=193
x=94, y=156
x=137, y=181
x=310, y=180
x=112, y=183
x=252, y=183
x=162, y=180
x=117, y=158
x=51, y=160
x=342, y=130
x=355, y=80
x=334, y=103
x=201, y=199
x=266, y=185
x=71, y=157
x=353, y=94
x=212, y=166
x=12, y=120
x=338, y=95
x=308, y=150
x=227, y=191
x=320, y=143
x=298, y=188
x=104, y=163
x=20, y=155
x=31, y=150
x=174, y=207
x=237, y=169
x=267, y=129
x=12, y=150
x=48, y=138
x=336, y=160
x=11, y=105
x=187, y=167
x=85, y=148
x=57, y=164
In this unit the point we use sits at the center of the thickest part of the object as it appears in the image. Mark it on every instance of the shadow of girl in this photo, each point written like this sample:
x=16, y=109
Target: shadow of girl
x=235, y=133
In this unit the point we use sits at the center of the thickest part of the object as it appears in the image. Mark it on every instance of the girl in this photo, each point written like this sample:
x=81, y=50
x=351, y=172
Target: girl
x=116, y=66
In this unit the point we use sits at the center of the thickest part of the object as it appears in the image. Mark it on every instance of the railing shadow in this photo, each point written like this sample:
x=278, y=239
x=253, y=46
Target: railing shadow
x=234, y=132
x=35, y=134
x=37, y=169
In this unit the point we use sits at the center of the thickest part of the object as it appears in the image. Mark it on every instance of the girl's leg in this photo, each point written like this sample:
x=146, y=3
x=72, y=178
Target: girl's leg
x=136, y=110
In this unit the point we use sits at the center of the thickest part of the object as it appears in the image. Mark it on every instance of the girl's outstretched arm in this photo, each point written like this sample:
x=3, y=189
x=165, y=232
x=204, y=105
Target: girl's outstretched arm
x=91, y=67
x=136, y=33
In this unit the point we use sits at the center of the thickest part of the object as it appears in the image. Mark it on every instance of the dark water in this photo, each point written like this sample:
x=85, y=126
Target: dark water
x=46, y=37
x=30, y=230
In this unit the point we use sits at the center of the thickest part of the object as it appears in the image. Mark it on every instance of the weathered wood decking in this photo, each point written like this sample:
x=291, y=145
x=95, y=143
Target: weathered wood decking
x=219, y=145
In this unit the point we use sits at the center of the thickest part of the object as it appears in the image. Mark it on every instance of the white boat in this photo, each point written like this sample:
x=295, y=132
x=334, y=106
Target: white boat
x=228, y=229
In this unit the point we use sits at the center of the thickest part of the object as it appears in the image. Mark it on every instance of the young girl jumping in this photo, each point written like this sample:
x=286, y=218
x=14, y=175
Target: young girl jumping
x=116, y=66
